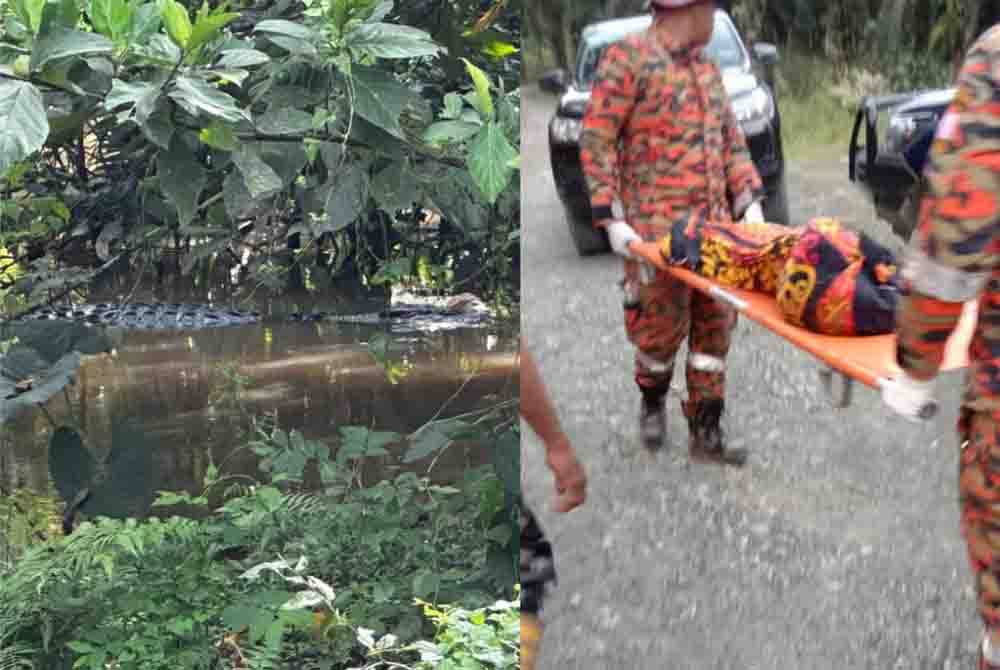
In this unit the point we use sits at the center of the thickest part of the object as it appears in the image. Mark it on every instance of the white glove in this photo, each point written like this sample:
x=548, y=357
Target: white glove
x=619, y=235
x=911, y=398
x=754, y=213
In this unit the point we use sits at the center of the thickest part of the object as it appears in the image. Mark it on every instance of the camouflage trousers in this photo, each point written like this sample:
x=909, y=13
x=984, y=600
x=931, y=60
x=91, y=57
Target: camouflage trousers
x=660, y=312
x=979, y=491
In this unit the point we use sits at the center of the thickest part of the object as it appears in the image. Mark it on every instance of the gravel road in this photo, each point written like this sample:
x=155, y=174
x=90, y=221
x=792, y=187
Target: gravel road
x=836, y=547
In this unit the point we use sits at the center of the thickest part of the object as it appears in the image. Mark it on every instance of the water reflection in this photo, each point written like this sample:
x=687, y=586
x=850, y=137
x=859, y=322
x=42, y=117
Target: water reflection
x=152, y=413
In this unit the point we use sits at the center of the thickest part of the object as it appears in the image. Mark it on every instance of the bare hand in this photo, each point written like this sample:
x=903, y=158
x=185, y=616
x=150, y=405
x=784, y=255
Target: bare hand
x=570, y=480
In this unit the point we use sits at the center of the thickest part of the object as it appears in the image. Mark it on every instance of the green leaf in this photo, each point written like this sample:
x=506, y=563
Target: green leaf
x=426, y=584
x=258, y=176
x=498, y=49
x=161, y=50
x=62, y=43
x=395, y=188
x=209, y=27
x=445, y=132
x=346, y=199
x=30, y=13
x=284, y=121
x=430, y=439
x=23, y=124
x=158, y=127
x=489, y=161
x=178, y=23
x=237, y=198
x=124, y=93
x=146, y=22
x=387, y=40
x=219, y=136
x=379, y=98
x=242, y=58
x=453, y=105
x=293, y=37
x=484, y=101
x=111, y=18
x=182, y=179
x=198, y=97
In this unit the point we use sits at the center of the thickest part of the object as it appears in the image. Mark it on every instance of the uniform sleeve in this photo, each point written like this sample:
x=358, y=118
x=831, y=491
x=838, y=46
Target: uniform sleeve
x=954, y=249
x=611, y=101
x=742, y=179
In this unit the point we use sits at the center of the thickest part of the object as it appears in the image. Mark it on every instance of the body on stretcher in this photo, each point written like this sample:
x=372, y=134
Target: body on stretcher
x=869, y=360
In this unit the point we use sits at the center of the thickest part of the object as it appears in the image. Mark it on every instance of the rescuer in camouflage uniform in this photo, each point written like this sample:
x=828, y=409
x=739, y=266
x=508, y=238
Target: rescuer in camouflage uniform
x=953, y=257
x=660, y=140
x=537, y=566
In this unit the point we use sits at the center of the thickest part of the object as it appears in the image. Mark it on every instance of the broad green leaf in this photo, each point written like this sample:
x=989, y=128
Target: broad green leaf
x=182, y=179
x=379, y=98
x=444, y=132
x=111, y=18
x=453, y=104
x=147, y=22
x=293, y=37
x=284, y=121
x=426, y=584
x=177, y=22
x=159, y=127
x=286, y=158
x=130, y=93
x=346, y=199
x=209, y=27
x=489, y=157
x=260, y=179
x=162, y=50
x=387, y=40
x=242, y=58
x=395, y=188
x=30, y=13
x=484, y=101
x=62, y=43
x=430, y=439
x=23, y=124
x=198, y=97
x=219, y=136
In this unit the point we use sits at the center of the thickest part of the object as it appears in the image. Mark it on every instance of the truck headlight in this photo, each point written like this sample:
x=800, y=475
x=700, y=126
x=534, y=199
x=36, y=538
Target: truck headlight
x=904, y=128
x=754, y=111
x=565, y=130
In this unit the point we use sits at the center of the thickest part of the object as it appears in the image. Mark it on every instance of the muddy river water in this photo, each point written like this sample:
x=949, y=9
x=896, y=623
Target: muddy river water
x=165, y=399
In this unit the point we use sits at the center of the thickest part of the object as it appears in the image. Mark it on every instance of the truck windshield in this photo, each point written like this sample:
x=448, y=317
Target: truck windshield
x=725, y=48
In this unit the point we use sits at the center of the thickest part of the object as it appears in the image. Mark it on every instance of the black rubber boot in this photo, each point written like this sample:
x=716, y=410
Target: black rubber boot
x=653, y=419
x=707, y=442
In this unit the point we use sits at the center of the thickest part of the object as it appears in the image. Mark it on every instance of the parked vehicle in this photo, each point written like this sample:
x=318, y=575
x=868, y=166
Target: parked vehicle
x=748, y=81
x=890, y=171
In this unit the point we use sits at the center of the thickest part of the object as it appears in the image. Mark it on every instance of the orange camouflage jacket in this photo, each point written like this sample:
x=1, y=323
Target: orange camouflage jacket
x=659, y=136
x=954, y=254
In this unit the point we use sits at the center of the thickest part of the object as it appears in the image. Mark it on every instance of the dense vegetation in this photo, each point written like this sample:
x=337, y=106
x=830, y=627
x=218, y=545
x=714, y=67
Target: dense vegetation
x=302, y=141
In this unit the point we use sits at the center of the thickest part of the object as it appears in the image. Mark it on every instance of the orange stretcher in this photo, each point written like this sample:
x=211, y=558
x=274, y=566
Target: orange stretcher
x=869, y=360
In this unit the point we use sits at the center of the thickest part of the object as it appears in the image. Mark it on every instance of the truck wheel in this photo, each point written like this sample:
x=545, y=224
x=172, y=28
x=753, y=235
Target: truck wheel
x=588, y=240
x=776, y=206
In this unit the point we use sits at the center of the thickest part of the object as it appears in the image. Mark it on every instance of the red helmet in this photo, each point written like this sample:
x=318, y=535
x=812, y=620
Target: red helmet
x=674, y=4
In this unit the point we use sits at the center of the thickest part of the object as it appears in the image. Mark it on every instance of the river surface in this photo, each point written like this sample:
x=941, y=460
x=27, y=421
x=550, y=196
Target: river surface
x=166, y=400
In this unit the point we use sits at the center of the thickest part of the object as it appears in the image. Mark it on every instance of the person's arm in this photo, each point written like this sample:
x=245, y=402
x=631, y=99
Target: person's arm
x=612, y=100
x=539, y=413
x=746, y=189
x=954, y=250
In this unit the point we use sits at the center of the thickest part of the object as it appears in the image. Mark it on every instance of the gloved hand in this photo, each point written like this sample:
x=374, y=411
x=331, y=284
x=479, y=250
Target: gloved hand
x=908, y=397
x=754, y=213
x=619, y=235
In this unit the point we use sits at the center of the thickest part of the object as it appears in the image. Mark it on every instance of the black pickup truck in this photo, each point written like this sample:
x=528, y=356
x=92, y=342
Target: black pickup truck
x=888, y=162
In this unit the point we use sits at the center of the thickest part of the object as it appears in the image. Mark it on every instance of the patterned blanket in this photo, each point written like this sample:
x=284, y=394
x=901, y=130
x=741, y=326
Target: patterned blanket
x=825, y=278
